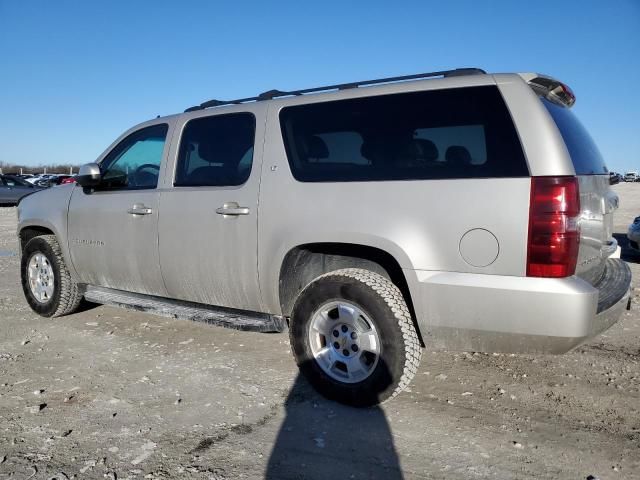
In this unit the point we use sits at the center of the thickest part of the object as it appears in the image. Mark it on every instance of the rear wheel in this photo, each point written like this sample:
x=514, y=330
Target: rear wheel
x=46, y=281
x=353, y=337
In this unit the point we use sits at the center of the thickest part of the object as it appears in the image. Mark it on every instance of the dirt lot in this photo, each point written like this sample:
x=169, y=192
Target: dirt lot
x=109, y=393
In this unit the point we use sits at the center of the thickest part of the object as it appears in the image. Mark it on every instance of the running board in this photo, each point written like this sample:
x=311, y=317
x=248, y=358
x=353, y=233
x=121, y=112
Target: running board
x=219, y=316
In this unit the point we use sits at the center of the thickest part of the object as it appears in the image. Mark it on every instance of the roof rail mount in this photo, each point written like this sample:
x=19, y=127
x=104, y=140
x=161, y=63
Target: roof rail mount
x=271, y=94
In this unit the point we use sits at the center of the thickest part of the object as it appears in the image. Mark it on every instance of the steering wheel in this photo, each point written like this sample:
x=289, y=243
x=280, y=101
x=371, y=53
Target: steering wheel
x=138, y=171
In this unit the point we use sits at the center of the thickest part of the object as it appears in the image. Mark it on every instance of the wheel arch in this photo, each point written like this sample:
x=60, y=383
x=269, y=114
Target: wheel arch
x=303, y=263
x=31, y=231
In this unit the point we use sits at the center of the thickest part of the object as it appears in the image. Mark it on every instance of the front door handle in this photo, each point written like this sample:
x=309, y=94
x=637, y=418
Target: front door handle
x=232, y=208
x=139, y=209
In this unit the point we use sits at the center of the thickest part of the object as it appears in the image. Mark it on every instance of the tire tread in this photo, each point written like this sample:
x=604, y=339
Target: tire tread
x=393, y=297
x=70, y=294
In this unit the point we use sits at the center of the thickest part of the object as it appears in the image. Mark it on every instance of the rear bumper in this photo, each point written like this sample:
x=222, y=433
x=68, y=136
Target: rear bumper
x=493, y=313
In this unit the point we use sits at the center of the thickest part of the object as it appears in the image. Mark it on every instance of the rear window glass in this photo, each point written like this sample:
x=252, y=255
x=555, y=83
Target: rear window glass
x=440, y=134
x=586, y=158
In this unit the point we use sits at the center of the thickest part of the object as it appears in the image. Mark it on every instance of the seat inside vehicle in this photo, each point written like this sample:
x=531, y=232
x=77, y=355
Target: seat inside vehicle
x=458, y=156
x=223, y=162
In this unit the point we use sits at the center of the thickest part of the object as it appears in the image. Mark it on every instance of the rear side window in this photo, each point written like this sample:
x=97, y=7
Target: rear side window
x=216, y=151
x=440, y=134
x=586, y=158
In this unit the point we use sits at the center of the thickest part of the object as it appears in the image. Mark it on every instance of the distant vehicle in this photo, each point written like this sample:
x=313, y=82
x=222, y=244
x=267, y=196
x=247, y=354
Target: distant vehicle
x=46, y=180
x=631, y=177
x=54, y=179
x=614, y=178
x=32, y=178
x=633, y=234
x=69, y=179
x=39, y=177
x=13, y=188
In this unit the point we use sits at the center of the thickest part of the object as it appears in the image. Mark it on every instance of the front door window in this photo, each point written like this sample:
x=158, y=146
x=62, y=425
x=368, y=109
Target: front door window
x=134, y=164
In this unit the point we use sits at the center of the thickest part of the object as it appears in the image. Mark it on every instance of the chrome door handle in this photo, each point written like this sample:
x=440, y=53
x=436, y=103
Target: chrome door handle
x=139, y=209
x=232, y=208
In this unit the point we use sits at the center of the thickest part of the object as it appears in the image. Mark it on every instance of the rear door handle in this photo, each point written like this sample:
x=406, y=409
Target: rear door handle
x=232, y=208
x=139, y=209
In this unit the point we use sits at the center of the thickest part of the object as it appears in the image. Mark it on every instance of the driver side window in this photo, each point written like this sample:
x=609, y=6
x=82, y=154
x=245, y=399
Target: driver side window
x=134, y=163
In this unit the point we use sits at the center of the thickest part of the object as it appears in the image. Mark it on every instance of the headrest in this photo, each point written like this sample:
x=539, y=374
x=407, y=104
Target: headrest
x=317, y=148
x=215, y=149
x=207, y=150
x=426, y=149
x=414, y=150
x=367, y=150
x=458, y=155
x=378, y=150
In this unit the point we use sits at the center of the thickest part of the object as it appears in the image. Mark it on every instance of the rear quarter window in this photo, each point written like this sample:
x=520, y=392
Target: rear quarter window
x=586, y=158
x=438, y=134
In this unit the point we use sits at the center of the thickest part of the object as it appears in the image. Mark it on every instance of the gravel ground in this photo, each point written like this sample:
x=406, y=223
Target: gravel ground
x=108, y=393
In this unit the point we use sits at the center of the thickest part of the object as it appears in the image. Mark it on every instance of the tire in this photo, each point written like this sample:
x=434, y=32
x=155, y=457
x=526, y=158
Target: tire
x=64, y=297
x=332, y=302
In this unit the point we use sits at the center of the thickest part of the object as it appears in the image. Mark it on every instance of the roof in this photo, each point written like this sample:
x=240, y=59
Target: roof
x=271, y=94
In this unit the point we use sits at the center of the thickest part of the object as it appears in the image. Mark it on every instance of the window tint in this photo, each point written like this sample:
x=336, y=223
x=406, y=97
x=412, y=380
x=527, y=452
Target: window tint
x=585, y=155
x=457, y=133
x=216, y=151
x=135, y=162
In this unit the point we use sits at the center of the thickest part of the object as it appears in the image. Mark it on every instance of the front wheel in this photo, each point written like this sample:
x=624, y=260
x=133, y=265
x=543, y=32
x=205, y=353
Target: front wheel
x=46, y=281
x=353, y=337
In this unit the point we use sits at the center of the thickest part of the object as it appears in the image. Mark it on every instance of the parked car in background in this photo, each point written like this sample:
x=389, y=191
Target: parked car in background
x=31, y=178
x=69, y=179
x=631, y=176
x=633, y=235
x=46, y=181
x=38, y=178
x=54, y=179
x=13, y=188
x=614, y=178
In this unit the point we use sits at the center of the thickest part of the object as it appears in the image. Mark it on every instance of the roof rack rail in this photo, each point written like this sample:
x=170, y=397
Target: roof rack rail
x=271, y=94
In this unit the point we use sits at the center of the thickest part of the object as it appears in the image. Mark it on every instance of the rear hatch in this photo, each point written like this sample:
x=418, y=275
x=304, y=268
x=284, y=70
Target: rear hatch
x=597, y=200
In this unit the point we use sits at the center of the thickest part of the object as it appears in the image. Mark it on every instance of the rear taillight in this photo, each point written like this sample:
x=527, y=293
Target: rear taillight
x=553, y=90
x=554, y=234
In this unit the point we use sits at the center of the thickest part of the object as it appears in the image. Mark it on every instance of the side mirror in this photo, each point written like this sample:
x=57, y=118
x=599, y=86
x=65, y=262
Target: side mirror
x=89, y=175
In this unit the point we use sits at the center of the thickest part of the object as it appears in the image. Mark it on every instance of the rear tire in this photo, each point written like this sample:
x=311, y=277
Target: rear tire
x=46, y=281
x=353, y=337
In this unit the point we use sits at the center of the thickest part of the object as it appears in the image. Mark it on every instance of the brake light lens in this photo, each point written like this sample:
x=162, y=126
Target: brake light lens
x=553, y=90
x=562, y=94
x=554, y=233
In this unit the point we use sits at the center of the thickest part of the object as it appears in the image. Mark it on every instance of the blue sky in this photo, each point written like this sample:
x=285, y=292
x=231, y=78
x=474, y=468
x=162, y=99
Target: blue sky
x=74, y=75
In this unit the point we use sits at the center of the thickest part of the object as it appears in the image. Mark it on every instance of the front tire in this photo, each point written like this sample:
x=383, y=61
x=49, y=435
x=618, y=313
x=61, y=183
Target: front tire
x=46, y=281
x=353, y=337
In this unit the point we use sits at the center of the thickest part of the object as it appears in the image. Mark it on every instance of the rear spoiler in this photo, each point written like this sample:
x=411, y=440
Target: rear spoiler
x=553, y=90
